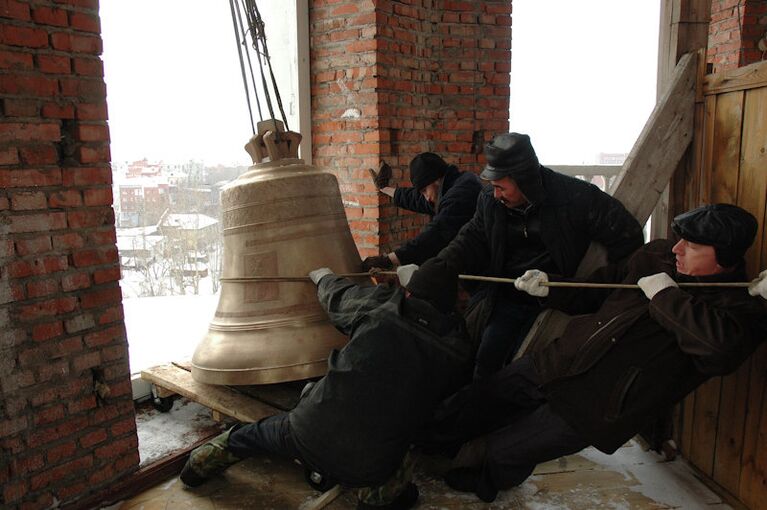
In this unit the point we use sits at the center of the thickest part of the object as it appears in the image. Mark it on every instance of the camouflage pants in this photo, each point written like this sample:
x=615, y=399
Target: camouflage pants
x=393, y=487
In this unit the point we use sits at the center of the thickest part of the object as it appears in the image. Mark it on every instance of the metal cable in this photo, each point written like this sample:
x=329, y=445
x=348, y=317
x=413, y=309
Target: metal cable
x=242, y=66
x=256, y=29
x=262, y=34
x=243, y=42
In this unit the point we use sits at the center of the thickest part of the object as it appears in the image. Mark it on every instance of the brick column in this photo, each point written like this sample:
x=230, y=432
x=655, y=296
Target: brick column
x=67, y=426
x=392, y=79
x=734, y=34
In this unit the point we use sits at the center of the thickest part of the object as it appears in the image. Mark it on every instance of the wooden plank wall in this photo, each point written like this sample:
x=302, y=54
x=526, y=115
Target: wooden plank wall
x=722, y=427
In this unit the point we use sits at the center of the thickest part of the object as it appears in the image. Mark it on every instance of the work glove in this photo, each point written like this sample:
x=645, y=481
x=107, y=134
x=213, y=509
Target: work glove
x=382, y=177
x=404, y=273
x=317, y=274
x=531, y=281
x=653, y=284
x=379, y=261
x=759, y=286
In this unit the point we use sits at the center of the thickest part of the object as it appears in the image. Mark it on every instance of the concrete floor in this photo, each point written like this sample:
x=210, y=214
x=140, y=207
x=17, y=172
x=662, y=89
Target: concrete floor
x=629, y=479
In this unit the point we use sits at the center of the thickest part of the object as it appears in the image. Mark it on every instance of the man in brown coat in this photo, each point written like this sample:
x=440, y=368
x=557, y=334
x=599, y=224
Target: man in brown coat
x=637, y=353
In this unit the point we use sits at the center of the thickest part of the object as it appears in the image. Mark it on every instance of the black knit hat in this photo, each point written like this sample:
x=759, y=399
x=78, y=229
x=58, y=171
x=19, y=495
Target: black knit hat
x=435, y=283
x=728, y=228
x=508, y=155
x=426, y=168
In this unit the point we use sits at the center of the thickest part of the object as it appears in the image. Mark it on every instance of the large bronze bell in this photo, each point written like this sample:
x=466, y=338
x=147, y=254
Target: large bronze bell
x=281, y=219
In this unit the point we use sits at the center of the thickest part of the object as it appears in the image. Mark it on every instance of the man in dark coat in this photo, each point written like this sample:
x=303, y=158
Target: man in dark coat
x=531, y=217
x=637, y=353
x=440, y=190
x=406, y=351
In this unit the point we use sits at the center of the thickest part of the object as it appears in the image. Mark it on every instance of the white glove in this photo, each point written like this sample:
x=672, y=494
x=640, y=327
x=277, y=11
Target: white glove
x=653, y=284
x=531, y=282
x=404, y=273
x=317, y=274
x=759, y=286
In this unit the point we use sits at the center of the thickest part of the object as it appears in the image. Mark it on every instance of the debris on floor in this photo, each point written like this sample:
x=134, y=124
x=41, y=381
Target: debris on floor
x=162, y=434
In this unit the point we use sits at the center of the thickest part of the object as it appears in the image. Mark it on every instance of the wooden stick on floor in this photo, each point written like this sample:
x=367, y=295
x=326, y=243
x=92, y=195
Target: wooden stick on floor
x=323, y=499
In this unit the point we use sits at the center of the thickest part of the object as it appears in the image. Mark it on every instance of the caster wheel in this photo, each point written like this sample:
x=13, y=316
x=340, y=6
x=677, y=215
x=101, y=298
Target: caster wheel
x=162, y=404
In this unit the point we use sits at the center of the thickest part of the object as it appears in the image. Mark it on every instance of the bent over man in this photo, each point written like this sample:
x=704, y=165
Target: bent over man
x=355, y=425
x=440, y=190
x=638, y=353
x=531, y=217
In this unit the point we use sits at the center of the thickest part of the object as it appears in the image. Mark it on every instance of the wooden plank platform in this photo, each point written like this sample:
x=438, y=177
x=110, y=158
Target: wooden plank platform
x=245, y=404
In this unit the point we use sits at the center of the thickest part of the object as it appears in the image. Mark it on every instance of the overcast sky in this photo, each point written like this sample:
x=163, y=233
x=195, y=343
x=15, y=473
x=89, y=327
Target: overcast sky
x=583, y=77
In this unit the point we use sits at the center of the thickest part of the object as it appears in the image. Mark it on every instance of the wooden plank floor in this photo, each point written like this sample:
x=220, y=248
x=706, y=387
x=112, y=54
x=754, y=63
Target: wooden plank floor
x=629, y=479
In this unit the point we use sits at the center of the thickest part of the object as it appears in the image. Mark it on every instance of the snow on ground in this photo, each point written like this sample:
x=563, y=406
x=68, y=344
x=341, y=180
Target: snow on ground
x=160, y=434
x=167, y=328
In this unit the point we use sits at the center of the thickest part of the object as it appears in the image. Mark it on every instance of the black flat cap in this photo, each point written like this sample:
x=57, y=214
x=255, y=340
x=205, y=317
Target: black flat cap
x=726, y=227
x=509, y=154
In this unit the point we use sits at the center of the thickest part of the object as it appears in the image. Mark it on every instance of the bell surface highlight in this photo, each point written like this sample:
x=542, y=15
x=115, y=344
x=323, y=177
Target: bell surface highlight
x=282, y=218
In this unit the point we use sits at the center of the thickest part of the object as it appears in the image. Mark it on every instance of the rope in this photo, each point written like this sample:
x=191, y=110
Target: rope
x=582, y=285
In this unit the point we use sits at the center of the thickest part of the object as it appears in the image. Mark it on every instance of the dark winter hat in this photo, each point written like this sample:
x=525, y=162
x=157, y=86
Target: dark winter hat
x=435, y=283
x=509, y=154
x=728, y=228
x=426, y=168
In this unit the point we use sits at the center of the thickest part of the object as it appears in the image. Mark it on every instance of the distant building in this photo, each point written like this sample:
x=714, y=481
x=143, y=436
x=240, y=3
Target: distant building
x=142, y=201
x=138, y=246
x=611, y=158
x=143, y=168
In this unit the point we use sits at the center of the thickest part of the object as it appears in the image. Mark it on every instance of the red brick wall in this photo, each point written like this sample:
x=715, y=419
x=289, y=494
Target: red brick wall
x=392, y=79
x=734, y=34
x=61, y=318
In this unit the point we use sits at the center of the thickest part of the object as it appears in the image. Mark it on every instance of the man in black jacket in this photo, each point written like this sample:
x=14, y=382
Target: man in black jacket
x=447, y=195
x=531, y=217
x=406, y=351
x=637, y=353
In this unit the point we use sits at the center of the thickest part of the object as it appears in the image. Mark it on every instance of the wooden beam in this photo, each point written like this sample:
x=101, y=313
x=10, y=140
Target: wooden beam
x=683, y=28
x=661, y=144
x=223, y=399
x=656, y=154
x=743, y=78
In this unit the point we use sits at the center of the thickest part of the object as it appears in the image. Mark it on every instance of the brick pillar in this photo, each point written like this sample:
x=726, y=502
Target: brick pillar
x=392, y=79
x=67, y=426
x=734, y=34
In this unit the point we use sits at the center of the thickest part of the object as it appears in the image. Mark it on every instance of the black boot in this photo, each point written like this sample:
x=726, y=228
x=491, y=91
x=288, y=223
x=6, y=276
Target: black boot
x=465, y=479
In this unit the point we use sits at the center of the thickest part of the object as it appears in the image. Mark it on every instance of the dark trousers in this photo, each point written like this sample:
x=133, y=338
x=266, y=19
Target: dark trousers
x=271, y=434
x=519, y=428
x=504, y=333
x=531, y=438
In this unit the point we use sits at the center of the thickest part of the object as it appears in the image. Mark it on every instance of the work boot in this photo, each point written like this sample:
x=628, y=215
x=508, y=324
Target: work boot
x=397, y=493
x=404, y=500
x=208, y=460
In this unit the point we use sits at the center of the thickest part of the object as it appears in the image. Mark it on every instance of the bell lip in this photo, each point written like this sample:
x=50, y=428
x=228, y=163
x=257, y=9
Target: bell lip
x=268, y=375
